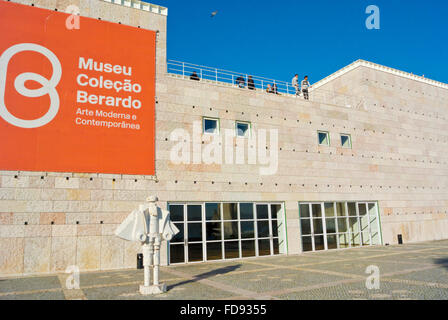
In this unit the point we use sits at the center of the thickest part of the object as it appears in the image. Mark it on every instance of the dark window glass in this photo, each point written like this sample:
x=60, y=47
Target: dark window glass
x=329, y=210
x=214, y=250
x=275, y=211
x=213, y=230
x=319, y=243
x=180, y=236
x=306, y=244
x=362, y=209
x=276, y=246
x=194, y=212
x=274, y=228
x=247, y=230
x=323, y=138
x=331, y=225
x=264, y=247
x=340, y=208
x=262, y=211
x=342, y=224
x=306, y=226
x=230, y=230
x=263, y=229
x=317, y=225
x=195, y=252
x=176, y=212
x=230, y=211
x=194, y=232
x=345, y=141
x=317, y=210
x=177, y=253
x=210, y=125
x=351, y=209
x=213, y=211
x=242, y=129
x=248, y=248
x=246, y=211
x=231, y=249
x=304, y=211
x=331, y=242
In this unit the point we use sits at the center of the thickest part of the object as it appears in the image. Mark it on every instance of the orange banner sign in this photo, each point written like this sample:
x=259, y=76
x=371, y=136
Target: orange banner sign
x=75, y=99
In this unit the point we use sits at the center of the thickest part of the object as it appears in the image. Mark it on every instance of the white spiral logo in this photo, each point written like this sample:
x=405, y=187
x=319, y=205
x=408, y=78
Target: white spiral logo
x=48, y=86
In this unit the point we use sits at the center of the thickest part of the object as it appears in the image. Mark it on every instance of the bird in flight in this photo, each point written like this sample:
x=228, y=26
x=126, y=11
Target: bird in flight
x=214, y=13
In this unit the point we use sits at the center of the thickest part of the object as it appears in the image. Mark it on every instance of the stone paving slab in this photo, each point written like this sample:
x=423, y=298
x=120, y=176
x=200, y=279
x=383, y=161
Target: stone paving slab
x=358, y=291
x=429, y=258
x=103, y=278
x=217, y=268
x=438, y=275
x=413, y=271
x=276, y=280
x=29, y=284
x=295, y=260
x=47, y=295
x=359, y=267
x=177, y=290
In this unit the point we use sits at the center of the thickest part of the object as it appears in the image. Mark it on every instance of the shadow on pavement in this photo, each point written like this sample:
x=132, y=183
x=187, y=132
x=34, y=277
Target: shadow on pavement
x=207, y=275
x=442, y=261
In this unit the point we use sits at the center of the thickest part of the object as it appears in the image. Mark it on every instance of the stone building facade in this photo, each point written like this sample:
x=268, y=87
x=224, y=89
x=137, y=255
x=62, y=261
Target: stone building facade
x=393, y=172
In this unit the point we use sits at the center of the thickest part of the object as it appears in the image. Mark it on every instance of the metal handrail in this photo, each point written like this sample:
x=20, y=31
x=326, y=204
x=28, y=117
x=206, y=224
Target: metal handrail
x=241, y=80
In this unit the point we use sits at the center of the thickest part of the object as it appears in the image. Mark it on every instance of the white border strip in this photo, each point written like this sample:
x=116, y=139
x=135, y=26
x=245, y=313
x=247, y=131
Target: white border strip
x=363, y=63
x=145, y=6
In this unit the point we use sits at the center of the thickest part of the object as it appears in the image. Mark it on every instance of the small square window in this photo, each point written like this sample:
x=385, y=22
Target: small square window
x=346, y=141
x=242, y=129
x=210, y=126
x=324, y=138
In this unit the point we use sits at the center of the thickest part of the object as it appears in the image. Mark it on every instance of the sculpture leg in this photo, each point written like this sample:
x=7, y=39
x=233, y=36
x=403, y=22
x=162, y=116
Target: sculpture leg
x=151, y=251
x=157, y=288
x=156, y=261
x=147, y=264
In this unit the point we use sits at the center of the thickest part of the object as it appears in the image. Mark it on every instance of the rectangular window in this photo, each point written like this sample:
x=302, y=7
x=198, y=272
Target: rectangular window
x=210, y=125
x=346, y=141
x=242, y=129
x=324, y=138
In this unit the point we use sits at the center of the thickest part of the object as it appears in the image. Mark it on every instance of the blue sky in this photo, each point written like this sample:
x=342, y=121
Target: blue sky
x=278, y=38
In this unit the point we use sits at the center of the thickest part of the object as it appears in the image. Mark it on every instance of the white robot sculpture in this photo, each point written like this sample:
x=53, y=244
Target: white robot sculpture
x=149, y=225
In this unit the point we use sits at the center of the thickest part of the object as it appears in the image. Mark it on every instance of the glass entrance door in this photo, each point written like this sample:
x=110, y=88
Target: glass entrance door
x=313, y=227
x=178, y=243
x=193, y=239
x=333, y=225
x=219, y=231
x=187, y=245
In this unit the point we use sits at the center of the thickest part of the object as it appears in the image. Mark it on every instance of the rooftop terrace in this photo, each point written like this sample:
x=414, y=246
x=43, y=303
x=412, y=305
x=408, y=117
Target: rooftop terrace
x=317, y=93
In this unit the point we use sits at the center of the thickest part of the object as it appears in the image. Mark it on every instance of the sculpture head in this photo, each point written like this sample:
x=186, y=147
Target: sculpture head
x=152, y=199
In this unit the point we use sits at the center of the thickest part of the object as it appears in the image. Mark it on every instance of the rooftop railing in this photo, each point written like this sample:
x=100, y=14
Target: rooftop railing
x=243, y=81
x=141, y=5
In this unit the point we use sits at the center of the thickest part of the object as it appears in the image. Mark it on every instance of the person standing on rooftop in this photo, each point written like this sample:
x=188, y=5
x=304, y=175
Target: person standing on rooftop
x=305, y=86
x=250, y=83
x=295, y=84
x=194, y=76
x=240, y=82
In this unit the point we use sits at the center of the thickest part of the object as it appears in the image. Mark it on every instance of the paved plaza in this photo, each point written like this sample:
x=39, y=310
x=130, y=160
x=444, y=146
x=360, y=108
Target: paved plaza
x=407, y=272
